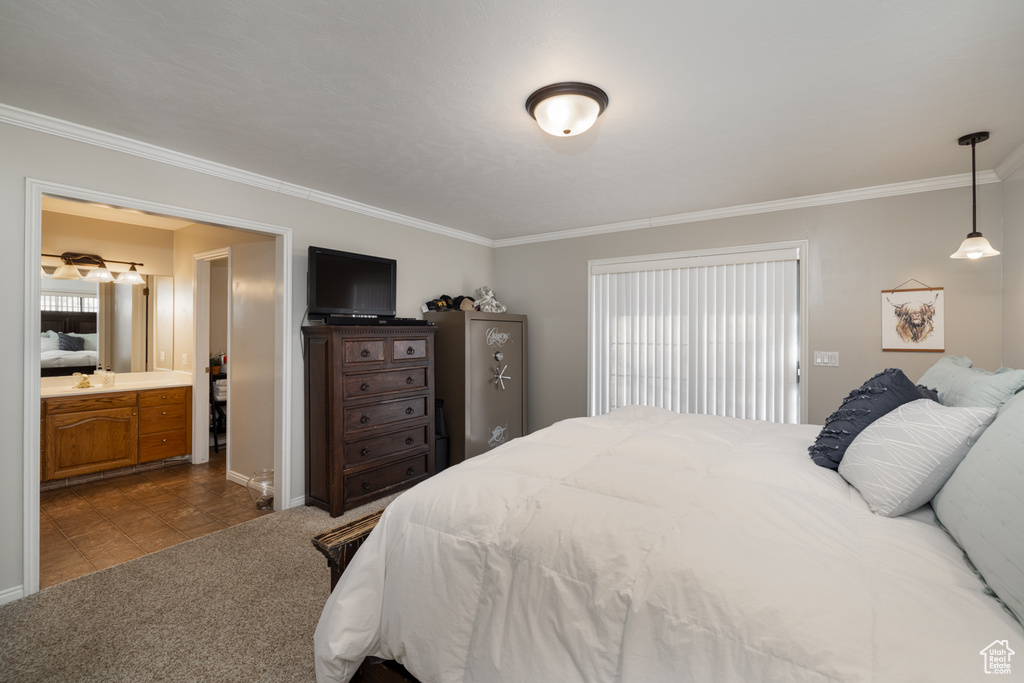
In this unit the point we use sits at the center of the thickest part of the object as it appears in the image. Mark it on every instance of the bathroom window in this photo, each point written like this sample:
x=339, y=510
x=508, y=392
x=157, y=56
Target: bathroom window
x=69, y=303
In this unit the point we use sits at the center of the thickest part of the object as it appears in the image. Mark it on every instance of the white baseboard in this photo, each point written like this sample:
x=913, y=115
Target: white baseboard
x=237, y=477
x=12, y=594
x=297, y=502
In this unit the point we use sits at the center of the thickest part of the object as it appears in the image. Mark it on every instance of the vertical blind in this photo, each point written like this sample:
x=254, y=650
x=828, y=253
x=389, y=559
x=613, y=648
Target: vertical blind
x=711, y=334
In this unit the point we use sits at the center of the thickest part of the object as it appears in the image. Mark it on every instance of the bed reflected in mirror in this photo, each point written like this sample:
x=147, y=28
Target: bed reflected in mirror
x=86, y=326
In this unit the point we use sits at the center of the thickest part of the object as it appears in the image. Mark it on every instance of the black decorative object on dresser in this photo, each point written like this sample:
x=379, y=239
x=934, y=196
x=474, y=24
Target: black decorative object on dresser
x=369, y=412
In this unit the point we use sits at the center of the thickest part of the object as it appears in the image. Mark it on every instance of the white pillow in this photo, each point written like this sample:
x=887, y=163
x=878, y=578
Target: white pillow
x=902, y=459
x=49, y=344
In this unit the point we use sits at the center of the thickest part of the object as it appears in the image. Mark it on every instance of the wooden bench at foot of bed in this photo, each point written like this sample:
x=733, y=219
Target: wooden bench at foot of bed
x=339, y=546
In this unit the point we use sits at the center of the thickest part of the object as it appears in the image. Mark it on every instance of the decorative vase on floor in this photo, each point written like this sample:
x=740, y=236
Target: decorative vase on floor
x=261, y=488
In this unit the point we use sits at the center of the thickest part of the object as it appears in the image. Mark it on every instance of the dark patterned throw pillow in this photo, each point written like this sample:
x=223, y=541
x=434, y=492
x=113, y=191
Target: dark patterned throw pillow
x=68, y=343
x=881, y=394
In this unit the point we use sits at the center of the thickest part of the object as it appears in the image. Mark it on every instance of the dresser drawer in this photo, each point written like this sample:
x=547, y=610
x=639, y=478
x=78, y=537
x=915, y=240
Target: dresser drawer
x=383, y=382
x=384, y=413
x=374, y=482
x=162, y=445
x=408, y=349
x=364, y=351
x=161, y=397
x=162, y=418
x=364, y=451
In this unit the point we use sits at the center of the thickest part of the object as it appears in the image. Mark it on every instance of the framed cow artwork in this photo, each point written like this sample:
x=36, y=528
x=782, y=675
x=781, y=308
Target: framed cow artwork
x=912, y=319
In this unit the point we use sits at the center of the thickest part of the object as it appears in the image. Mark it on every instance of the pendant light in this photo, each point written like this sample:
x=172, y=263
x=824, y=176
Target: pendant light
x=975, y=246
x=567, y=109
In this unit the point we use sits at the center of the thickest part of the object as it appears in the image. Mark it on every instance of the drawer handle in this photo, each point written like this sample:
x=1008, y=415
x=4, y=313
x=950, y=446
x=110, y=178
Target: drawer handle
x=365, y=452
x=409, y=410
x=165, y=441
x=409, y=380
x=366, y=486
x=410, y=351
x=163, y=412
x=365, y=387
x=365, y=353
x=411, y=471
x=409, y=440
x=364, y=419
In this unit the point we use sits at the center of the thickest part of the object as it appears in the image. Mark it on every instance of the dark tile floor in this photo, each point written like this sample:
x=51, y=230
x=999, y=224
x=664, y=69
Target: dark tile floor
x=88, y=527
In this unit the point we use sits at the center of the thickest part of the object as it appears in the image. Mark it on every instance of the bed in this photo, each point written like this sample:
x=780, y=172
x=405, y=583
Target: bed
x=68, y=343
x=648, y=546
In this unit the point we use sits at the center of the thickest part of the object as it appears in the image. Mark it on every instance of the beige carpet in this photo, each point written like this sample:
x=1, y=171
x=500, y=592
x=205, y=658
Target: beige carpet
x=237, y=605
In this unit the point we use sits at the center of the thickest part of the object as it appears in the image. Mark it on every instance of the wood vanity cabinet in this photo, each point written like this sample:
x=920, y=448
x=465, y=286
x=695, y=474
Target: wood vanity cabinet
x=85, y=434
x=103, y=431
x=165, y=423
x=369, y=412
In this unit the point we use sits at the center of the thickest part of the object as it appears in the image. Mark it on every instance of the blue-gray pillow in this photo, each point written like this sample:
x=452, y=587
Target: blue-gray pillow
x=881, y=394
x=982, y=505
x=959, y=384
x=68, y=343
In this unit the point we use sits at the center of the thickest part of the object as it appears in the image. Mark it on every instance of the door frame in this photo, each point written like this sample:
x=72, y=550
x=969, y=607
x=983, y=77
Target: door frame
x=201, y=355
x=34, y=191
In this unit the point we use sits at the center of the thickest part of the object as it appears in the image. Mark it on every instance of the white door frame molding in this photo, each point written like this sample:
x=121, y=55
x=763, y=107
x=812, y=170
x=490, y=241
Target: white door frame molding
x=201, y=351
x=34, y=191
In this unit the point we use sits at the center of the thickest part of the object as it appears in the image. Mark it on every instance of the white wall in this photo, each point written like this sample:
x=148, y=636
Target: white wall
x=1013, y=270
x=428, y=264
x=856, y=249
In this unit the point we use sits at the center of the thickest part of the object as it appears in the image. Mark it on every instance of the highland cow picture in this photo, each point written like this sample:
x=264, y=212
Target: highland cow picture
x=912, y=320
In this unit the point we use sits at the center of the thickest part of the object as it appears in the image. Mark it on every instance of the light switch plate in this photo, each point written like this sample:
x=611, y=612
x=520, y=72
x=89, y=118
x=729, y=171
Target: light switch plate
x=828, y=359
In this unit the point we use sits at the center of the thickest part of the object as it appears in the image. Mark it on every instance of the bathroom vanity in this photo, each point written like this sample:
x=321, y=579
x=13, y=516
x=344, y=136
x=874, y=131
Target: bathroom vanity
x=100, y=428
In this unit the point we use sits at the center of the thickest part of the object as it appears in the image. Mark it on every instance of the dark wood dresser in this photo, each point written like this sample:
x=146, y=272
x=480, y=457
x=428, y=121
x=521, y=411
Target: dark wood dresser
x=369, y=412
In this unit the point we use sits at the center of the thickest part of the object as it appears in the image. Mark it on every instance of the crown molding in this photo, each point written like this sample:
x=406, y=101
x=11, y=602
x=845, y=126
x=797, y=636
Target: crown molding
x=876, y=192
x=119, y=143
x=92, y=136
x=1011, y=163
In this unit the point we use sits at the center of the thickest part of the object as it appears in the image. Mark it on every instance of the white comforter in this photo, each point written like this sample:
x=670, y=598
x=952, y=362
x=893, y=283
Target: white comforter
x=68, y=359
x=648, y=546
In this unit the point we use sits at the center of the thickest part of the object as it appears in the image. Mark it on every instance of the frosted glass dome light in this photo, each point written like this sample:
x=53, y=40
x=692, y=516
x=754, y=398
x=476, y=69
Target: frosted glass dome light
x=975, y=246
x=567, y=109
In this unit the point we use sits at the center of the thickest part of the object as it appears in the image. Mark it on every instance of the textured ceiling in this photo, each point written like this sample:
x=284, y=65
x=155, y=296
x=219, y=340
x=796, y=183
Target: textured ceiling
x=417, y=107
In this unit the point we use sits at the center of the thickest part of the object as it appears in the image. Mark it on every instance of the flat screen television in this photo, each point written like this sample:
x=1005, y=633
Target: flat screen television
x=345, y=285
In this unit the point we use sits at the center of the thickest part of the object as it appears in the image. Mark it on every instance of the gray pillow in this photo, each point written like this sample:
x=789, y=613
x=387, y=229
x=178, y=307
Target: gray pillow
x=959, y=384
x=982, y=505
x=901, y=460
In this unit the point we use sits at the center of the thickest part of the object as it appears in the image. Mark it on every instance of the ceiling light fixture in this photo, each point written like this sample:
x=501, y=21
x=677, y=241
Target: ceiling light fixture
x=975, y=246
x=99, y=273
x=566, y=109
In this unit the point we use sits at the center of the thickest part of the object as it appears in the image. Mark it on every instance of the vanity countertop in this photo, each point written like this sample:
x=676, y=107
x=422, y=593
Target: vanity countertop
x=126, y=381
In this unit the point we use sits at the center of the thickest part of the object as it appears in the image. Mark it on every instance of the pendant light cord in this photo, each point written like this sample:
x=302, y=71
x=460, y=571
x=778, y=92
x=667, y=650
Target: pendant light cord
x=974, y=192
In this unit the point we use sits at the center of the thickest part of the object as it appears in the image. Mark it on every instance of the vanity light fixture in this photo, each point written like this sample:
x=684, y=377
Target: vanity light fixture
x=975, y=246
x=567, y=109
x=68, y=270
x=130, y=277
